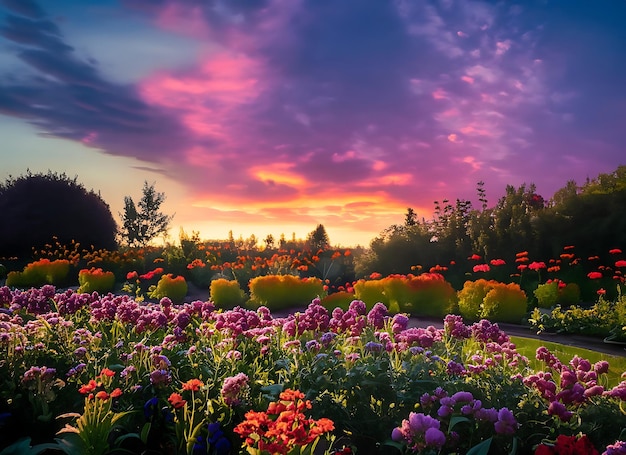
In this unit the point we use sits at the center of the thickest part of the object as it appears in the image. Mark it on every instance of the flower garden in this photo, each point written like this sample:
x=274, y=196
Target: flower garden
x=102, y=352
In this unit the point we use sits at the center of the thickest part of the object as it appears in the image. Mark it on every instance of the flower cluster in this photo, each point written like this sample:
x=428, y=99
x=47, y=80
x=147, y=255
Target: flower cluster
x=284, y=426
x=424, y=431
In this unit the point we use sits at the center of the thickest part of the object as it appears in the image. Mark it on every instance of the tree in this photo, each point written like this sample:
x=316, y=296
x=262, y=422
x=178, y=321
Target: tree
x=141, y=226
x=410, y=217
x=318, y=238
x=269, y=242
x=36, y=208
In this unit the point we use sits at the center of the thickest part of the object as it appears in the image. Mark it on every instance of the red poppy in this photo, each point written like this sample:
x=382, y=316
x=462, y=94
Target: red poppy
x=594, y=275
x=615, y=251
x=621, y=263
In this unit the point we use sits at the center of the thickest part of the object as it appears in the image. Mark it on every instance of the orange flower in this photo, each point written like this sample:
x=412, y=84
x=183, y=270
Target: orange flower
x=89, y=387
x=116, y=393
x=176, y=400
x=107, y=372
x=193, y=385
x=102, y=395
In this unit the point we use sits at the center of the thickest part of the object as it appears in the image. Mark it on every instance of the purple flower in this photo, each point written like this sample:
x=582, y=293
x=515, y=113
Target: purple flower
x=160, y=378
x=506, y=423
x=358, y=307
x=233, y=388
x=377, y=315
x=559, y=410
x=434, y=437
x=399, y=323
x=373, y=346
x=618, y=448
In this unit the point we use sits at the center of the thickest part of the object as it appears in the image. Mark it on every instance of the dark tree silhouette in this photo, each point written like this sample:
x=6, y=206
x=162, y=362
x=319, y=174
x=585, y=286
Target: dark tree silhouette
x=139, y=227
x=318, y=238
x=36, y=208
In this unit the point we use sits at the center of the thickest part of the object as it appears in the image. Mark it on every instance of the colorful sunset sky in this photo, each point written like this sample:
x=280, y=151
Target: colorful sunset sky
x=272, y=116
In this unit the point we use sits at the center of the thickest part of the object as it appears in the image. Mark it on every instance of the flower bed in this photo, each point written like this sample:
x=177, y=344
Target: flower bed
x=93, y=374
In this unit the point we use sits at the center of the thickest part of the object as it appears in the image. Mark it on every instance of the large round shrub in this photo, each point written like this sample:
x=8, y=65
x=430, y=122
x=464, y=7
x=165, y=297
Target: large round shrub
x=36, y=208
x=505, y=303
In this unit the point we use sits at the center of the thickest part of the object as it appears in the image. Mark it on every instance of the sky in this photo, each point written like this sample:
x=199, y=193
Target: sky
x=273, y=116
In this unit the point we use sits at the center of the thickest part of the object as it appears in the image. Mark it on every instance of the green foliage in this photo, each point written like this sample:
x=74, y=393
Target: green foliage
x=227, y=293
x=341, y=299
x=39, y=273
x=471, y=298
x=547, y=294
x=170, y=286
x=140, y=226
x=488, y=299
x=93, y=279
x=603, y=318
x=504, y=303
x=279, y=292
x=428, y=294
x=371, y=292
x=43, y=206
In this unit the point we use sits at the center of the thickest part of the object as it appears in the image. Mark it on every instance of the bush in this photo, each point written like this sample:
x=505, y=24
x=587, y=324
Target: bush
x=40, y=272
x=471, y=297
x=341, y=299
x=227, y=293
x=556, y=292
x=42, y=206
x=504, y=303
x=170, y=286
x=371, y=292
x=547, y=294
x=95, y=279
x=489, y=299
x=278, y=292
x=430, y=295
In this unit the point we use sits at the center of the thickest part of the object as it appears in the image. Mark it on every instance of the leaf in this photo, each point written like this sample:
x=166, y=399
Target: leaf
x=145, y=432
x=19, y=447
x=455, y=420
x=513, y=450
x=481, y=448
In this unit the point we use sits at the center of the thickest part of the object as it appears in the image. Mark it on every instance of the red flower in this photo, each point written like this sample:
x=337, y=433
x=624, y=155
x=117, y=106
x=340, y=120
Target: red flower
x=116, y=393
x=193, y=385
x=131, y=275
x=176, y=400
x=601, y=291
x=474, y=257
x=102, y=395
x=594, y=275
x=481, y=268
x=537, y=265
x=497, y=262
x=375, y=276
x=89, y=387
x=107, y=372
x=615, y=251
x=621, y=263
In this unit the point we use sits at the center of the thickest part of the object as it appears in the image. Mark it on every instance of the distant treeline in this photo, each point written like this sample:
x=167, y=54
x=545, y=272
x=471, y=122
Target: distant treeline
x=591, y=217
